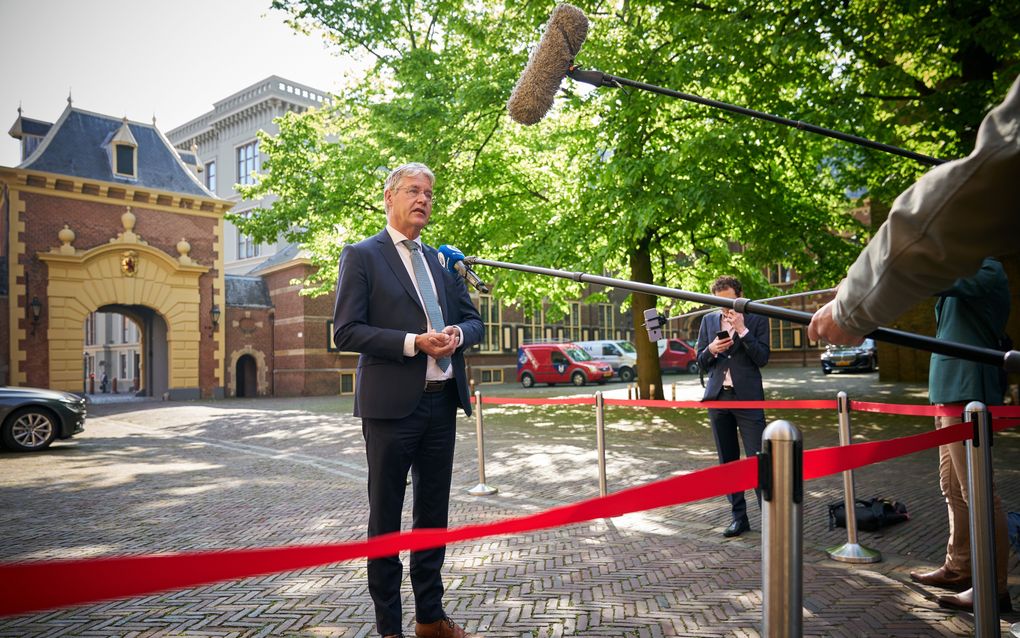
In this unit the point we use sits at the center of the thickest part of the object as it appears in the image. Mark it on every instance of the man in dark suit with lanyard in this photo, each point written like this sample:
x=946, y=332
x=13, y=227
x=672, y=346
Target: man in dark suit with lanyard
x=733, y=347
x=411, y=320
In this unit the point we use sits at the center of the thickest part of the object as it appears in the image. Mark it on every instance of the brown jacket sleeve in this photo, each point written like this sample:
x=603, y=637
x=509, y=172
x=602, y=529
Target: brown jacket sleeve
x=940, y=228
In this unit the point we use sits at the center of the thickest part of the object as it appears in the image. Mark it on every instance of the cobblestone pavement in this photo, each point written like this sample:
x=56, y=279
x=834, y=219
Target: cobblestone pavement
x=168, y=477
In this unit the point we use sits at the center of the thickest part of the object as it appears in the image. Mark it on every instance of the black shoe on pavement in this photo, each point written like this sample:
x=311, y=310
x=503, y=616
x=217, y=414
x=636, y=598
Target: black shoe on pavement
x=737, y=528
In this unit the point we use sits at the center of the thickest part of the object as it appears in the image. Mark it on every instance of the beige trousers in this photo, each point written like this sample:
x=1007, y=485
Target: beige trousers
x=953, y=481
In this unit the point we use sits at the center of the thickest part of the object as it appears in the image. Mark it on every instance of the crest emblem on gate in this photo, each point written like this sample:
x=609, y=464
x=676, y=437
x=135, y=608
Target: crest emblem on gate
x=129, y=263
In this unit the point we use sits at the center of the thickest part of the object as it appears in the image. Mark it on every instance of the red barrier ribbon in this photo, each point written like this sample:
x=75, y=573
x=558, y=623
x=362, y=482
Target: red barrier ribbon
x=508, y=401
x=35, y=586
x=821, y=404
x=28, y=587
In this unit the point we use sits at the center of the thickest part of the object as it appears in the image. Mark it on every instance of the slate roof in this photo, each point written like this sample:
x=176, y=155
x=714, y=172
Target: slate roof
x=243, y=290
x=292, y=251
x=77, y=145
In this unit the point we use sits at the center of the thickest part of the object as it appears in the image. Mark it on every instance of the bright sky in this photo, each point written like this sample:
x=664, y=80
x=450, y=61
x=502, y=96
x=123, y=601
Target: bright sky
x=139, y=58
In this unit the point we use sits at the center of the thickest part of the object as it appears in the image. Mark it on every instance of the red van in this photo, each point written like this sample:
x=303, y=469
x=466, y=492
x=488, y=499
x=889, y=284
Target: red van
x=677, y=356
x=554, y=363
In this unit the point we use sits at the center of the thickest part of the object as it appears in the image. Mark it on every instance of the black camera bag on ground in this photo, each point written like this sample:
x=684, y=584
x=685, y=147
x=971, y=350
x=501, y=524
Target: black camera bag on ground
x=871, y=515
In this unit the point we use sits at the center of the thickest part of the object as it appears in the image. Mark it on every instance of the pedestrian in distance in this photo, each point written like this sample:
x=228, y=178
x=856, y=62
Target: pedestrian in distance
x=732, y=348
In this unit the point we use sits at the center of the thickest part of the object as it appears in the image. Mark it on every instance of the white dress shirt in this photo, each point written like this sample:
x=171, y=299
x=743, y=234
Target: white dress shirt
x=433, y=372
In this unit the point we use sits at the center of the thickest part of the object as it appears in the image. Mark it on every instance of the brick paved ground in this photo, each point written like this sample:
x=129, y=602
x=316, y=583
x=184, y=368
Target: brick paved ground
x=168, y=477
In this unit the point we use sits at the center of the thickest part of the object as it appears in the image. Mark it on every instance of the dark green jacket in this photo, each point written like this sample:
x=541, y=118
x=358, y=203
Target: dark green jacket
x=974, y=311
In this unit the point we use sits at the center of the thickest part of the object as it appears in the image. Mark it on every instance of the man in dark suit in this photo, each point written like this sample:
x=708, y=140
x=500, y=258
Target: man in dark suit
x=411, y=320
x=733, y=347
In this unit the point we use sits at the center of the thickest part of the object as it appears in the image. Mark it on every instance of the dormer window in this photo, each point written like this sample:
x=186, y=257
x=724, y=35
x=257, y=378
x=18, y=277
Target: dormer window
x=125, y=152
x=125, y=158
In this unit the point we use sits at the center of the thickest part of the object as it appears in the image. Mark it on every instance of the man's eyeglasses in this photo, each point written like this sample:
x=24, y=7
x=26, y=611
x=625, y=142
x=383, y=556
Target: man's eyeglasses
x=413, y=192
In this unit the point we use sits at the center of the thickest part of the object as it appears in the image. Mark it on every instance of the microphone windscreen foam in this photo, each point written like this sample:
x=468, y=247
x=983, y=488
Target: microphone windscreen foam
x=533, y=96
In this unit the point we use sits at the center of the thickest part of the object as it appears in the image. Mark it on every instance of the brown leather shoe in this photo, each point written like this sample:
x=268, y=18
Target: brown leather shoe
x=942, y=577
x=444, y=628
x=964, y=601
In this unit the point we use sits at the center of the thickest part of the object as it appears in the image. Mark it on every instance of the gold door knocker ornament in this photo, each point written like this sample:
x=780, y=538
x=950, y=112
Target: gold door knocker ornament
x=129, y=263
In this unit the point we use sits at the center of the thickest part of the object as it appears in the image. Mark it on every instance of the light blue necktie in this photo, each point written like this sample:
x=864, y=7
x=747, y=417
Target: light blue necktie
x=428, y=295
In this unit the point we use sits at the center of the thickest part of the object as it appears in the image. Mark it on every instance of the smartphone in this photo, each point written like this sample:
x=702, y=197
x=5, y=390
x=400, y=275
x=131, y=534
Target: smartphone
x=722, y=334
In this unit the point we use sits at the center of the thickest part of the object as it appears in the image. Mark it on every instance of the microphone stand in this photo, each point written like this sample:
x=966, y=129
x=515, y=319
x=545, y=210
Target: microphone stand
x=598, y=78
x=1009, y=361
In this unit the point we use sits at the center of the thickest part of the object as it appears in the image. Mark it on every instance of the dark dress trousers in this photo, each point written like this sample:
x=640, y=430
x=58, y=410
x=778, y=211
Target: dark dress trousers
x=744, y=360
x=405, y=428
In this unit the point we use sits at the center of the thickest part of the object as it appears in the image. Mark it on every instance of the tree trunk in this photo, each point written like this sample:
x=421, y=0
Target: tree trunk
x=649, y=372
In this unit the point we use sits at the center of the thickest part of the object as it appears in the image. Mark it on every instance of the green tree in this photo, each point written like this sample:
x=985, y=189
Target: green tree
x=624, y=182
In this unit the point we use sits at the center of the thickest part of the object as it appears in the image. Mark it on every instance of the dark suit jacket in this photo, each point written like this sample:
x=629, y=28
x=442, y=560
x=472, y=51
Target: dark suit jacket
x=974, y=311
x=744, y=358
x=376, y=306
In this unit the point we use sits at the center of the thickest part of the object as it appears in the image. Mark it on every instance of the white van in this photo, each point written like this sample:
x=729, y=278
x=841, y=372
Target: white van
x=621, y=355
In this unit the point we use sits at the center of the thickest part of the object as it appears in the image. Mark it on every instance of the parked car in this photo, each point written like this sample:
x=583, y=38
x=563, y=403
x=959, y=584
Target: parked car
x=32, y=418
x=554, y=363
x=677, y=356
x=862, y=358
x=620, y=355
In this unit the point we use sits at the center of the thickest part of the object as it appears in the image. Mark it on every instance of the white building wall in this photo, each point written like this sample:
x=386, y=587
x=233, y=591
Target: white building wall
x=233, y=122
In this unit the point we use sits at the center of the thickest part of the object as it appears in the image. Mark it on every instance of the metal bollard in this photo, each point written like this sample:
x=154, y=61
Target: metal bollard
x=851, y=551
x=481, y=489
x=600, y=440
x=781, y=480
x=982, y=523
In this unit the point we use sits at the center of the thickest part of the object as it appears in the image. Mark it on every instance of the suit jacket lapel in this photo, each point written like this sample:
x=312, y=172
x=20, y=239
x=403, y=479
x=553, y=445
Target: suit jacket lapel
x=396, y=264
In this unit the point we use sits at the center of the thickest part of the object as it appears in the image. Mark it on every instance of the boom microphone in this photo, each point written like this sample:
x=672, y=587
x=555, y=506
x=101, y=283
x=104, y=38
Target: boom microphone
x=452, y=259
x=533, y=96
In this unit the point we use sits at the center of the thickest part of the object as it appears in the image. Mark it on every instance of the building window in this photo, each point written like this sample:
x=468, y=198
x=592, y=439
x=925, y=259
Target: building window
x=607, y=320
x=28, y=145
x=125, y=331
x=246, y=246
x=125, y=160
x=574, y=322
x=347, y=383
x=779, y=275
x=123, y=366
x=90, y=329
x=491, y=375
x=210, y=176
x=247, y=163
x=532, y=327
x=785, y=335
x=492, y=317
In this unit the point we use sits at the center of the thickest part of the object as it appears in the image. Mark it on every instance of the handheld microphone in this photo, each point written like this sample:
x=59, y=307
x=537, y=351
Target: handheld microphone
x=452, y=259
x=533, y=96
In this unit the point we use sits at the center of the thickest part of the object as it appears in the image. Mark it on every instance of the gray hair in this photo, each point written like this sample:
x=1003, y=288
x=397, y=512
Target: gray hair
x=412, y=169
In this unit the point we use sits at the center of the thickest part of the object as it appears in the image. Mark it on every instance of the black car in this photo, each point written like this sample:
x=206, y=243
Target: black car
x=862, y=358
x=32, y=418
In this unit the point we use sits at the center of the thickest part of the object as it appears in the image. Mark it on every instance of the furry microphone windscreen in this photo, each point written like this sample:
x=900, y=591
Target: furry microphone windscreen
x=533, y=96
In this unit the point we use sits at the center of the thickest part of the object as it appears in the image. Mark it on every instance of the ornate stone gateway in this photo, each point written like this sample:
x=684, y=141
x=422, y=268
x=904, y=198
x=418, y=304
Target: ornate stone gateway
x=124, y=272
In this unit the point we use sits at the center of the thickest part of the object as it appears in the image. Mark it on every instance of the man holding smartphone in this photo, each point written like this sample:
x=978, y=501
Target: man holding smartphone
x=733, y=348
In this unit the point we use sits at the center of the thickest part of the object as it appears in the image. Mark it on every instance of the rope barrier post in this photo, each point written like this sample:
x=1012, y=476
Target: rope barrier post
x=781, y=480
x=600, y=439
x=982, y=524
x=674, y=391
x=481, y=489
x=851, y=551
